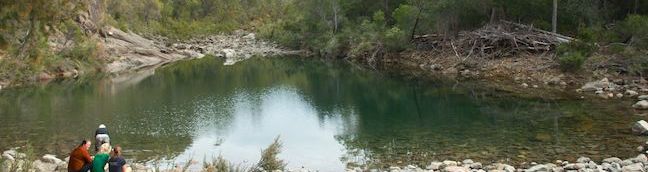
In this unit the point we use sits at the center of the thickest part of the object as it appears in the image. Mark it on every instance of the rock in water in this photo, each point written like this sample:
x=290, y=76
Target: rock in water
x=643, y=97
x=640, y=127
x=641, y=105
x=631, y=93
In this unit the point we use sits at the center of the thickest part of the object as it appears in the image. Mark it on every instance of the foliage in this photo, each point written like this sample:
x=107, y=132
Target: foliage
x=635, y=61
x=636, y=26
x=572, y=56
x=572, y=61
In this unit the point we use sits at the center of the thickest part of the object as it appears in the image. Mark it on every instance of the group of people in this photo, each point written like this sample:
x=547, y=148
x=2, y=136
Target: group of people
x=81, y=161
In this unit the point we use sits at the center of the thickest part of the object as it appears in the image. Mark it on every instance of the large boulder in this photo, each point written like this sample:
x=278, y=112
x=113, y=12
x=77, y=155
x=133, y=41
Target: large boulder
x=640, y=127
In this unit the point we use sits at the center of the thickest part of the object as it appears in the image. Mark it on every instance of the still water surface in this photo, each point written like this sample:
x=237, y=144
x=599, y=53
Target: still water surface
x=329, y=115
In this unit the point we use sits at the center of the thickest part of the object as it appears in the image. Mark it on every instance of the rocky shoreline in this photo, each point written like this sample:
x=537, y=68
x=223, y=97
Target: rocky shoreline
x=132, y=52
x=13, y=160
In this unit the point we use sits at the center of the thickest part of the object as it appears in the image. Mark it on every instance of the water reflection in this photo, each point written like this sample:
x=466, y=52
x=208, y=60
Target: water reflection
x=329, y=115
x=258, y=120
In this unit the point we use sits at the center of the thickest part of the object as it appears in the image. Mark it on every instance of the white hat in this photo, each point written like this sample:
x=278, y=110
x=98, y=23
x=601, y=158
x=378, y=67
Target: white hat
x=102, y=126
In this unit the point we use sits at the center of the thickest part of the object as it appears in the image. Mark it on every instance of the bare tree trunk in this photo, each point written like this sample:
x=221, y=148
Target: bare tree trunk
x=554, y=19
x=336, y=9
x=636, y=6
x=492, y=16
x=418, y=16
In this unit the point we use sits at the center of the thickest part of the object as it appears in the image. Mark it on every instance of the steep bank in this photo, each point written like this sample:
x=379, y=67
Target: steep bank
x=119, y=52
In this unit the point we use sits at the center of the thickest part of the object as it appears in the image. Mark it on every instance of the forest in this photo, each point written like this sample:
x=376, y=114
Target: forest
x=326, y=28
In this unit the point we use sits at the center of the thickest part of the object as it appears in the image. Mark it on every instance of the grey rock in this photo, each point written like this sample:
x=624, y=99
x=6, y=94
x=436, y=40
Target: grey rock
x=643, y=97
x=557, y=169
x=434, y=165
x=500, y=166
x=591, y=165
x=612, y=160
x=51, y=159
x=450, y=163
x=631, y=93
x=456, y=169
x=574, y=166
x=41, y=166
x=636, y=167
x=467, y=161
x=538, y=168
x=641, y=158
x=626, y=162
x=641, y=105
x=640, y=127
x=477, y=165
x=598, y=85
x=583, y=160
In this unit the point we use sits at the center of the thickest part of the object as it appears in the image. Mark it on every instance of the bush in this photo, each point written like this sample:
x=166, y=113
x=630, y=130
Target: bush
x=635, y=26
x=634, y=61
x=396, y=40
x=585, y=48
x=572, y=61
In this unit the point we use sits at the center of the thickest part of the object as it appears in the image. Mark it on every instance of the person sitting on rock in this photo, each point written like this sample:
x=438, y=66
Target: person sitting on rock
x=117, y=163
x=101, y=158
x=80, y=160
x=101, y=136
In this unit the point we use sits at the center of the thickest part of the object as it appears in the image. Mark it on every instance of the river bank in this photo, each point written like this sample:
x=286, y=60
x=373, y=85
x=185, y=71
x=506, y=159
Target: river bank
x=13, y=160
x=121, y=52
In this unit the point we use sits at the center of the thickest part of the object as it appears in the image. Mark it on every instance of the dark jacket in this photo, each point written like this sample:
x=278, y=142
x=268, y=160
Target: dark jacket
x=101, y=131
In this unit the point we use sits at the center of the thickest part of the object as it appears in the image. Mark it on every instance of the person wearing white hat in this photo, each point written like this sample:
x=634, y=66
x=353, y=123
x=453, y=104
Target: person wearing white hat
x=101, y=136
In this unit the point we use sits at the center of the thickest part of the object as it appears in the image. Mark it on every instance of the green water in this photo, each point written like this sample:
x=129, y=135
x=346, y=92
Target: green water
x=329, y=115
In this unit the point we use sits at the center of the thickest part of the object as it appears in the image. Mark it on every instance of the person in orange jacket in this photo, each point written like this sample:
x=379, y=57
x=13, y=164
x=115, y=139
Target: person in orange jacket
x=80, y=160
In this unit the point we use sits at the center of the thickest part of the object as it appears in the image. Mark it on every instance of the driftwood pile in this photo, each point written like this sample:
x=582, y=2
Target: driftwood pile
x=503, y=39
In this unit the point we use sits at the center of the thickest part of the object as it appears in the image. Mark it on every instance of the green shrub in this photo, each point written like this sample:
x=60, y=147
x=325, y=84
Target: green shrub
x=616, y=48
x=585, y=48
x=396, y=40
x=597, y=34
x=572, y=61
x=634, y=61
x=636, y=26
